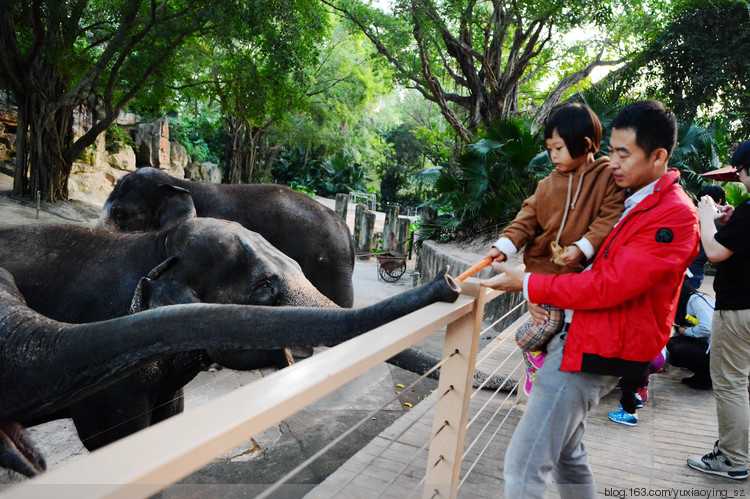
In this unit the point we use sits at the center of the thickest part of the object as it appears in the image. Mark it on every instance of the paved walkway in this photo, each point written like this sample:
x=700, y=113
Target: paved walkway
x=643, y=461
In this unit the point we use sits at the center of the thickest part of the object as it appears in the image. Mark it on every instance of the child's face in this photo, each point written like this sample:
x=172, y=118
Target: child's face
x=560, y=156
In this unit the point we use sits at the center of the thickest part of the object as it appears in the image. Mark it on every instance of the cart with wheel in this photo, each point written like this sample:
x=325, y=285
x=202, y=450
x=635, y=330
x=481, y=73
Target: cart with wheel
x=390, y=267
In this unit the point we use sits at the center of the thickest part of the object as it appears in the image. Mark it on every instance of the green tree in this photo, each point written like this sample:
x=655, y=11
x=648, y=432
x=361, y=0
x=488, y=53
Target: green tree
x=407, y=157
x=472, y=58
x=699, y=64
x=58, y=56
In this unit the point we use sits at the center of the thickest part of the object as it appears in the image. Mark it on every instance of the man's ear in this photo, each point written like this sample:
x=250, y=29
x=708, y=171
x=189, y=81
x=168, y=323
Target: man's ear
x=659, y=157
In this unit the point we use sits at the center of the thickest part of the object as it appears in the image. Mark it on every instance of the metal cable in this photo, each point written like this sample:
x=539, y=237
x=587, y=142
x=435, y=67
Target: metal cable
x=499, y=340
x=503, y=317
x=416, y=455
x=229, y=373
x=348, y=432
x=481, y=409
x=494, y=395
x=390, y=442
x=489, y=441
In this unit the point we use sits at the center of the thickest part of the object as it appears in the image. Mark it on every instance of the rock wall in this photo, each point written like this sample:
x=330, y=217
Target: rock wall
x=433, y=257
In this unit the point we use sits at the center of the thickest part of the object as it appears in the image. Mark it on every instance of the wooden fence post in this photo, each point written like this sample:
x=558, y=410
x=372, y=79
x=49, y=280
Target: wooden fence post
x=454, y=398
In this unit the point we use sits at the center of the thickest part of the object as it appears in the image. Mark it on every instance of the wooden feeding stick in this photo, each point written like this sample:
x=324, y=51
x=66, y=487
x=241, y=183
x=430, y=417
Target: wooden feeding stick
x=475, y=268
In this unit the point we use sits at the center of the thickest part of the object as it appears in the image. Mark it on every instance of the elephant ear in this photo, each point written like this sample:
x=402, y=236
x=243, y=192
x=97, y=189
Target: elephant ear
x=157, y=291
x=177, y=206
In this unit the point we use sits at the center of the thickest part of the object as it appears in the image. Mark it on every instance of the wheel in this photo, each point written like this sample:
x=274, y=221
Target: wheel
x=391, y=270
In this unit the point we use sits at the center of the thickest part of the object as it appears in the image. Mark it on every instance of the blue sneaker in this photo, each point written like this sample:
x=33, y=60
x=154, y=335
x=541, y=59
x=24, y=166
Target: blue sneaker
x=623, y=417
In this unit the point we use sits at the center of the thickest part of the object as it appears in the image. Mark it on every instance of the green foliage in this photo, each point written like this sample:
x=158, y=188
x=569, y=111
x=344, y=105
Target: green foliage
x=116, y=137
x=700, y=65
x=493, y=178
x=203, y=136
x=324, y=176
x=736, y=193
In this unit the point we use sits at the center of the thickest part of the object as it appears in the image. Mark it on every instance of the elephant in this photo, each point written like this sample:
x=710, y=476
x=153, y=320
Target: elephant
x=310, y=233
x=313, y=235
x=48, y=365
x=79, y=275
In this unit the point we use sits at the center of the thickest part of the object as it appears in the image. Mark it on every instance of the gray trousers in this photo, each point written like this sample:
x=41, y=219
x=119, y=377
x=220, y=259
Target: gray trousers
x=548, y=439
x=730, y=368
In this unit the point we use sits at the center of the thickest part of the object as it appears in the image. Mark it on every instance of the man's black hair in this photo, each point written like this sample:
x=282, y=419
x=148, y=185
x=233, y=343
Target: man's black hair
x=741, y=157
x=716, y=193
x=575, y=122
x=655, y=126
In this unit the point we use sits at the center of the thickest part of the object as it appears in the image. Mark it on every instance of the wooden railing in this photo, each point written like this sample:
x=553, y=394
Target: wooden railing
x=152, y=459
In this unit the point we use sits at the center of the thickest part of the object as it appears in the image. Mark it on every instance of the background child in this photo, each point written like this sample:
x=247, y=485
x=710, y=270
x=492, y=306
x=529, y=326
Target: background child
x=575, y=207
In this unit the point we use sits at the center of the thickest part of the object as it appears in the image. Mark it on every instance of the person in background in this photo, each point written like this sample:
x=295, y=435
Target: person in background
x=563, y=224
x=697, y=268
x=690, y=346
x=729, y=247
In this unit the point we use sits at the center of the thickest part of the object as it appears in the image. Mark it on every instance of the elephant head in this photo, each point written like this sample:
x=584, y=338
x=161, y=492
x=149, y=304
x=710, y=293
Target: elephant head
x=47, y=365
x=145, y=201
x=223, y=262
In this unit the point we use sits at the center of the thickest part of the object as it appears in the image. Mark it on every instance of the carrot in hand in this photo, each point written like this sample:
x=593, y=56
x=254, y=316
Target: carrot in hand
x=475, y=268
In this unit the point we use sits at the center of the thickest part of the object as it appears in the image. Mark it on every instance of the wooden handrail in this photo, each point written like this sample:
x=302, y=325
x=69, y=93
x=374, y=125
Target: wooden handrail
x=148, y=461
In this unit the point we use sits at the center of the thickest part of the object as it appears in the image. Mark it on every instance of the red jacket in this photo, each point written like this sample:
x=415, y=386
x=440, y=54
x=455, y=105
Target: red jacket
x=625, y=304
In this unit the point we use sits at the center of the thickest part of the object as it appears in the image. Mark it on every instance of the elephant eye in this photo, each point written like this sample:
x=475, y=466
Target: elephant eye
x=264, y=292
x=265, y=285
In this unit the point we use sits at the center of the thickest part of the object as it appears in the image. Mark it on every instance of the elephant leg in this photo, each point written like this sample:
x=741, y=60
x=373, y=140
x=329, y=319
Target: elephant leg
x=168, y=406
x=106, y=417
x=18, y=453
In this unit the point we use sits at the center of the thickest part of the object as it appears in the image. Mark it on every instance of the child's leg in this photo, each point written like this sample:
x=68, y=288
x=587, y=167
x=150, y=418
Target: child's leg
x=533, y=339
x=629, y=388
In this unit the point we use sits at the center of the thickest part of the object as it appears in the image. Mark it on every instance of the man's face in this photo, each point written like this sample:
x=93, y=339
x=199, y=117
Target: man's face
x=631, y=167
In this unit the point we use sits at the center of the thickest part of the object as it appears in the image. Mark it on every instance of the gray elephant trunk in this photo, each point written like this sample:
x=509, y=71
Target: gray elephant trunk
x=33, y=348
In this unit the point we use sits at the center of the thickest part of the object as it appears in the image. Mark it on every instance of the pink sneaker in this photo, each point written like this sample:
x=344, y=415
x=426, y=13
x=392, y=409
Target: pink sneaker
x=643, y=392
x=536, y=358
x=530, y=375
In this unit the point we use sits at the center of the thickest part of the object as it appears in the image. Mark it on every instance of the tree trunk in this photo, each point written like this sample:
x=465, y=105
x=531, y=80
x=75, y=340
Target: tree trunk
x=242, y=153
x=45, y=134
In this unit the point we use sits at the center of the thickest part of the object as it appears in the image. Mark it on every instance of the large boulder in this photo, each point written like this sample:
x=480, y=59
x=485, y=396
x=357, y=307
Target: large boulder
x=122, y=157
x=212, y=172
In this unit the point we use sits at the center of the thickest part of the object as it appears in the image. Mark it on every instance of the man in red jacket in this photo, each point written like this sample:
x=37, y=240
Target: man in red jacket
x=619, y=313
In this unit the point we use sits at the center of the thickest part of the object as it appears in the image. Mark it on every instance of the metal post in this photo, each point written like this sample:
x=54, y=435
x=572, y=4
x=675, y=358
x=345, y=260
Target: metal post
x=38, y=202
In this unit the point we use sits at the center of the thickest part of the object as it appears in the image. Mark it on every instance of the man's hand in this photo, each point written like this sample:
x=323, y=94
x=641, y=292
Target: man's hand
x=496, y=255
x=510, y=280
x=539, y=314
x=572, y=256
x=726, y=212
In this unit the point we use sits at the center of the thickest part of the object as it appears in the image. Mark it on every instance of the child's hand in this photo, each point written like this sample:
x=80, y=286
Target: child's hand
x=496, y=255
x=572, y=256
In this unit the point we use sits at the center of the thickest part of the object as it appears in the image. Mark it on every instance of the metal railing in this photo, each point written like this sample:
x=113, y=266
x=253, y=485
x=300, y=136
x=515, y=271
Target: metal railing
x=152, y=459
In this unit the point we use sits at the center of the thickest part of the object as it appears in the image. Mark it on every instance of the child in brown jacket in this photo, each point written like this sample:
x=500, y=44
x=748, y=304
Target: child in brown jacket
x=563, y=224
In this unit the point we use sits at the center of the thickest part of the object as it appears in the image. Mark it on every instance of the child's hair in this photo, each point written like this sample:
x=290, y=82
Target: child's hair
x=655, y=126
x=575, y=122
x=716, y=193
